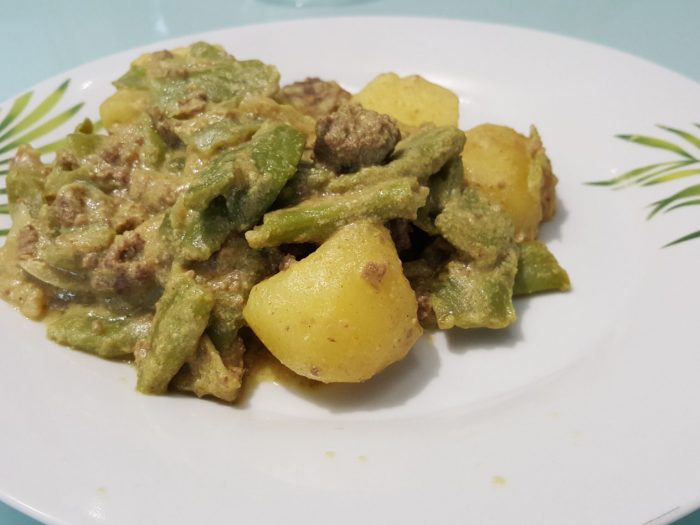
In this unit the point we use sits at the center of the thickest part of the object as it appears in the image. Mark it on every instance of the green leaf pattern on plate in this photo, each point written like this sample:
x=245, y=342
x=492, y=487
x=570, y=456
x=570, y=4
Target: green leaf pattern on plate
x=22, y=124
x=686, y=164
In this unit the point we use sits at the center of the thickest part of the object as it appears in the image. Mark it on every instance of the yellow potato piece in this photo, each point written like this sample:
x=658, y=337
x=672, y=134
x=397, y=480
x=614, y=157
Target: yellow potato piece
x=411, y=100
x=513, y=170
x=343, y=313
x=124, y=107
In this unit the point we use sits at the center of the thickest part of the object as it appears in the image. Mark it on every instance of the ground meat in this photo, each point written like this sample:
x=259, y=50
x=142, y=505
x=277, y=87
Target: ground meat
x=124, y=248
x=70, y=206
x=164, y=127
x=106, y=175
x=193, y=103
x=128, y=216
x=90, y=261
x=163, y=54
x=400, y=230
x=286, y=261
x=354, y=137
x=66, y=160
x=374, y=272
x=122, y=266
x=154, y=191
x=426, y=315
x=27, y=239
x=314, y=97
x=110, y=168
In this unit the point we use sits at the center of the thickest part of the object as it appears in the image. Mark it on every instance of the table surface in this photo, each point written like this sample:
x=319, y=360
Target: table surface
x=55, y=36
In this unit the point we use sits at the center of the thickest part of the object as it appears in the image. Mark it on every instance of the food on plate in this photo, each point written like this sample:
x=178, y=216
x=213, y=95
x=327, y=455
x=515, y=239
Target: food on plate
x=220, y=210
x=514, y=171
x=411, y=100
x=341, y=314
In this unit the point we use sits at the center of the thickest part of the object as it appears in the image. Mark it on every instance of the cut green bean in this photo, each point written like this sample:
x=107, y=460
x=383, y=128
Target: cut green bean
x=419, y=156
x=230, y=276
x=98, y=331
x=316, y=218
x=199, y=234
x=66, y=251
x=539, y=271
x=469, y=296
x=212, y=373
x=476, y=227
x=250, y=176
x=182, y=314
x=221, y=134
x=445, y=185
x=275, y=153
x=212, y=75
x=25, y=182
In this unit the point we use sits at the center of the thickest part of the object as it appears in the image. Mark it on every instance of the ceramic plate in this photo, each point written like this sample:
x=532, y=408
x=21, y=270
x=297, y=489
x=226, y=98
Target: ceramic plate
x=584, y=411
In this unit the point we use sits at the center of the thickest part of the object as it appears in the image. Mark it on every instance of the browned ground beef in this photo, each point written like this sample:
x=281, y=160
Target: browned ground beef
x=353, y=137
x=123, y=266
x=313, y=96
x=26, y=242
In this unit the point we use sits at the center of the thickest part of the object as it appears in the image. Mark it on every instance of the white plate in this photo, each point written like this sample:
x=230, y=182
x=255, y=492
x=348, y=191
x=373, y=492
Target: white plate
x=584, y=412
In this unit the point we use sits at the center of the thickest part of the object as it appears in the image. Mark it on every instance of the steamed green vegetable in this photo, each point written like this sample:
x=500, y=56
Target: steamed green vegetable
x=468, y=295
x=99, y=331
x=212, y=373
x=178, y=80
x=182, y=314
x=538, y=270
x=233, y=192
x=316, y=218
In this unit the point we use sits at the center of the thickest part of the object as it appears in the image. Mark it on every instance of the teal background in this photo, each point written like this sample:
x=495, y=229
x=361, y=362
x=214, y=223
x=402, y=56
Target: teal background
x=41, y=38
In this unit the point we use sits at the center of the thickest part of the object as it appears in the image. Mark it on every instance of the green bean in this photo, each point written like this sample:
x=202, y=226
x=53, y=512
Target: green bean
x=60, y=177
x=212, y=373
x=249, y=176
x=220, y=134
x=83, y=144
x=230, y=275
x=275, y=153
x=66, y=251
x=152, y=152
x=182, y=314
x=316, y=218
x=199, y=234
x=98, y=331
x=445, y=185
x=25, y=182
x=467, y=295
x=538, y=270
x=211, y=75
x=418, y=156
x=222, y=173
x=309, y=180
x=476, y=227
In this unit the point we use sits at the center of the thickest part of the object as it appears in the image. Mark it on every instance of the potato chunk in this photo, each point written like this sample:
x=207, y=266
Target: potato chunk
x=513, y=170
x=123, y=107
x=411, y=100
x=343, y=313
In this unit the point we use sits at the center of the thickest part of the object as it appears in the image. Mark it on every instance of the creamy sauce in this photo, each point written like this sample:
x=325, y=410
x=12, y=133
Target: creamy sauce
x=263, y=367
